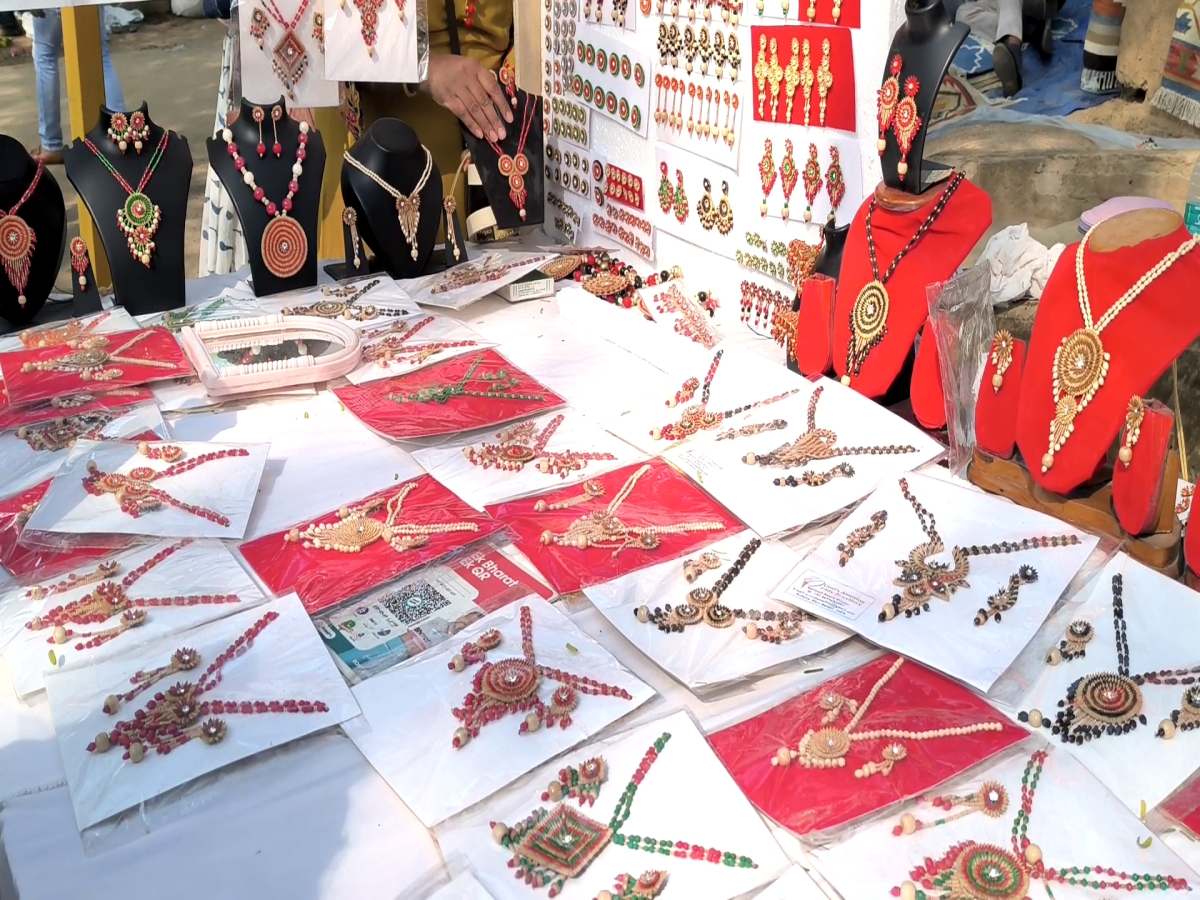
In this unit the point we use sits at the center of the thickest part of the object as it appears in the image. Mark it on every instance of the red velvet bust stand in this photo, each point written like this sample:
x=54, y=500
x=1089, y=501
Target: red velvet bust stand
x=1141, y=342
x=996, y=409
x=936, y=257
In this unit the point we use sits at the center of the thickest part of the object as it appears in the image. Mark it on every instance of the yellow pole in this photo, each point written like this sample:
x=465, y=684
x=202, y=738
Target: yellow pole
x=337, y=140
x=85, y=96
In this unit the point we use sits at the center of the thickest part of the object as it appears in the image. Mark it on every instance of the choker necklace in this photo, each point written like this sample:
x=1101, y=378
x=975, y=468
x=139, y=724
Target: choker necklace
x=284, y=244
x=869, y=315
x=17, y=240
x=515, y=167
x=1080, y=362
x=408, y=206
x=138, y=218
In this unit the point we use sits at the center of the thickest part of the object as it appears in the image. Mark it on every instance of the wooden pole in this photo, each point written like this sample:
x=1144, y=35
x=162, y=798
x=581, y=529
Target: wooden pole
x=85, y=96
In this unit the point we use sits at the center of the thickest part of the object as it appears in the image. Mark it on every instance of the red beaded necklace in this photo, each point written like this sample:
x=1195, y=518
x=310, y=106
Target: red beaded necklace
x=110, y=598
x=515, y=167
x=173, y=717
x=18, y=240
x=519, y=446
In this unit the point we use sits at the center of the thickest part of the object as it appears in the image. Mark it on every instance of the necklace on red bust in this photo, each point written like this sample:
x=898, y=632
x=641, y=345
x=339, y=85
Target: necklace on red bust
x=515, y=167
x=284, y=244
x=18, y=240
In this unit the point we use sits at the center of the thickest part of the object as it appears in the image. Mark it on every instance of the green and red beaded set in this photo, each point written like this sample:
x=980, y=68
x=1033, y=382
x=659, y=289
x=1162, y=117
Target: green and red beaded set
x=551, y=846
x=974, y=871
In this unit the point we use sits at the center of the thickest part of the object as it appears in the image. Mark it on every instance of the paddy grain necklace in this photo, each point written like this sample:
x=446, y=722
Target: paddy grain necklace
x=18, y=240
x=522, y=444
x=138, y=217
x=408, y=206
x=516, y=167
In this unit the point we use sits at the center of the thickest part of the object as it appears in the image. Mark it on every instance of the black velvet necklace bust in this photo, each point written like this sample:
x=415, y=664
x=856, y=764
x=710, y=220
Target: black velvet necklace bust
x=392, y=150
x=137, y=287
x=829, y=260
x=927, y=43
x=273, y=174
x=45, y=214
x=527, y=122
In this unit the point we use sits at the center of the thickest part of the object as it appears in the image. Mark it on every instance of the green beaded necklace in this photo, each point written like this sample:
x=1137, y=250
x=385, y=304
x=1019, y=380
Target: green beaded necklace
x=139, y=217
x=498, y=387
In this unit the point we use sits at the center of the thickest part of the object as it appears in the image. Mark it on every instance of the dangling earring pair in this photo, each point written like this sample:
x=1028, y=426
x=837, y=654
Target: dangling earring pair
x=259, y=115
x=705, y=209
x=124, y=130
x=666, y=196
x=899, y=115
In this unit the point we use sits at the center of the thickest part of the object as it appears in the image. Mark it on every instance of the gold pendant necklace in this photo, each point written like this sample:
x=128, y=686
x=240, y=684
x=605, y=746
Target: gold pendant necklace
x=1081, y=362
x=408, y=206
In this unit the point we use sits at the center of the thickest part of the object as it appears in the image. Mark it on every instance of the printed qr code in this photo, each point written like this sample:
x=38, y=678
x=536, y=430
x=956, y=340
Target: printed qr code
x=414, y=602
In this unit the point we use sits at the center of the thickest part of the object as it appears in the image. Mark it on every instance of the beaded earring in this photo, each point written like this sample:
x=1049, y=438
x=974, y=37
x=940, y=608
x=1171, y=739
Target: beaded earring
x=1134, y=417
x=276, y=115
x=774, y=78
x=258, y=115
x=681, y=201
x=766, y=174
x=906, y=122
x=835, y=182
x=694, y=568
x=812, y=180
x=666, y=197
x=889, y=96
x=760, y=69
x=582, y=784
x=1006, y=598
x=79, y=260
x=807, y=79
x=318, y=30
x=991, y=799
x=705, y=209
x=724, y=212
x=824, y=79
x=1002, y=347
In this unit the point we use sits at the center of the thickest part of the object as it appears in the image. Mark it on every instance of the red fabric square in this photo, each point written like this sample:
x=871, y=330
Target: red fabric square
x=839, y=106
x=138, y=357
x=661, y=497
x=850, y=17
x=434, y=408
x=1138, y=487
x=40, y=563
x=915, y=699
x=323, y=578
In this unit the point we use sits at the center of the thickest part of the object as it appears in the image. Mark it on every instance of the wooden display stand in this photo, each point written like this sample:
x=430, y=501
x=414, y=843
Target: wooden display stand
x=1090, y=508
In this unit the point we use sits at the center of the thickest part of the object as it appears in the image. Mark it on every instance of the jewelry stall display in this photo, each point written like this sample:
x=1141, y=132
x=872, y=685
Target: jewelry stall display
x=405, y=345
x=858, y=743
x=619, y=522
x=551, y=450
x=284, y=52
x=1037, y=848
x=611, y=78
x=671, y=613
x=538, y=684
x=477, y=390
x=261, y=678
x=816, y=168
x=1118, y=686
x=108, y=606
x=818, y=84
x=57, y=334
x=371, y=40
x=762, y=308
x=928, y=555
x=825, y=466
x=363, y=544
x=124, y=359
x=699, y=212
x=152, y=489
x=646, y=793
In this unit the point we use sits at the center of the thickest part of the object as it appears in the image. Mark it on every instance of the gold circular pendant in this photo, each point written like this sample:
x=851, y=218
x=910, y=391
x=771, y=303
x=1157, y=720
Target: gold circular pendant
x=869, y=317
x=1080, y=365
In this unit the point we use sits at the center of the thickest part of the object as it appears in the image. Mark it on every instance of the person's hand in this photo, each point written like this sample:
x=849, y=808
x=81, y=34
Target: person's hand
x=469, y=91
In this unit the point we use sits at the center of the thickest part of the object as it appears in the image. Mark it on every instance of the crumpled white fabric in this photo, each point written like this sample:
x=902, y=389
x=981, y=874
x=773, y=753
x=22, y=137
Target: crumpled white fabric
x=1018, y=264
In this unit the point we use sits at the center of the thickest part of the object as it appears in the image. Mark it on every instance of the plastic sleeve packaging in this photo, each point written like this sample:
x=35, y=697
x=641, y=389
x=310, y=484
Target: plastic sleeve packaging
x=209, y=492
x=661, y=498
x=44, y=411
x=702, y=657
x=872, y=860
x=409, y=711
x=140, y=596
x=685, y=796
x=455, y=880
x=386, y=626
x=963, y=327
x=283, y=662
x=459, y=287
x=368, y=301
x=226, y=305
x=55, y=334
x=288, y=560
x=814, y=802
x=794, y=884
x=1181, y=809
x=461, y=394
x=406, y=345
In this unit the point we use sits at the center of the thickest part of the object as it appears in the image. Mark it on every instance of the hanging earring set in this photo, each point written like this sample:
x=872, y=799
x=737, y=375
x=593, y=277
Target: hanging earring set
x=899, y=114
x=832, y=179
x=719, y=214
x=124, y=130
x=258, y=115
x=768, y=73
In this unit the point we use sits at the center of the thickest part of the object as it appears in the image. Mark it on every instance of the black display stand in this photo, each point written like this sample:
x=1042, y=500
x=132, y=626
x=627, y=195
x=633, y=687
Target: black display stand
x=139, y=288
x=829, y=260
x=496, y=185
x=43, y=212
x=927, y=43
x=87, y=297
x=272, y=173
x=392, y=150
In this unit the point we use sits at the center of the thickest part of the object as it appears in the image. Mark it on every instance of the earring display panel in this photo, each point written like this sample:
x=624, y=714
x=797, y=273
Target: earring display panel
x=698, y=116
x=847, y=13
x=371, y=40
x=612, y=78
x=807, y=71
x=1157, y=616
x=702, y=50
x=694, y=201
x=570, y=121
x=611, y=13
x=958, y=559
x=281, y=54
x=567, y=169
x=819, y=165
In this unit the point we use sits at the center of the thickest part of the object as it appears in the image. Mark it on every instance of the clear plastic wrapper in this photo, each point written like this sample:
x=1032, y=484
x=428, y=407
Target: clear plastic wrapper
x=686, y=315
x=13, y=417
x=30, y=454
x=107, y=488
x=1082, y=834
x=239, y=356
x=625, y=520
x=401, y=346
x=55, y=334
x=473, y=280
x=29, y=563
x=103, y=608
x=368, y=542
x=403, y=619
x=538, y=662
x=399, y=48
x=979, y=624
x=963, y=327
x=463, y=886
x=226, y=305
x=691, y=822
x=359, y=302
x=742, y=469
x=474, y=391
x=1160, y=620
x=247, y=662
x=814, y=801
x=794, y=884
x=187, y=395
x=702, y=656
x=123, y=359
x=558, y=448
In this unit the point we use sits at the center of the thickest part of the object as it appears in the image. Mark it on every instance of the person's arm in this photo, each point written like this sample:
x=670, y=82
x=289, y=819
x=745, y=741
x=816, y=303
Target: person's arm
x=469, y=91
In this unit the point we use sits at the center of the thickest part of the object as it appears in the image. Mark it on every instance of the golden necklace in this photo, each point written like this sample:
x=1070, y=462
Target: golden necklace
x=1080, y=362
